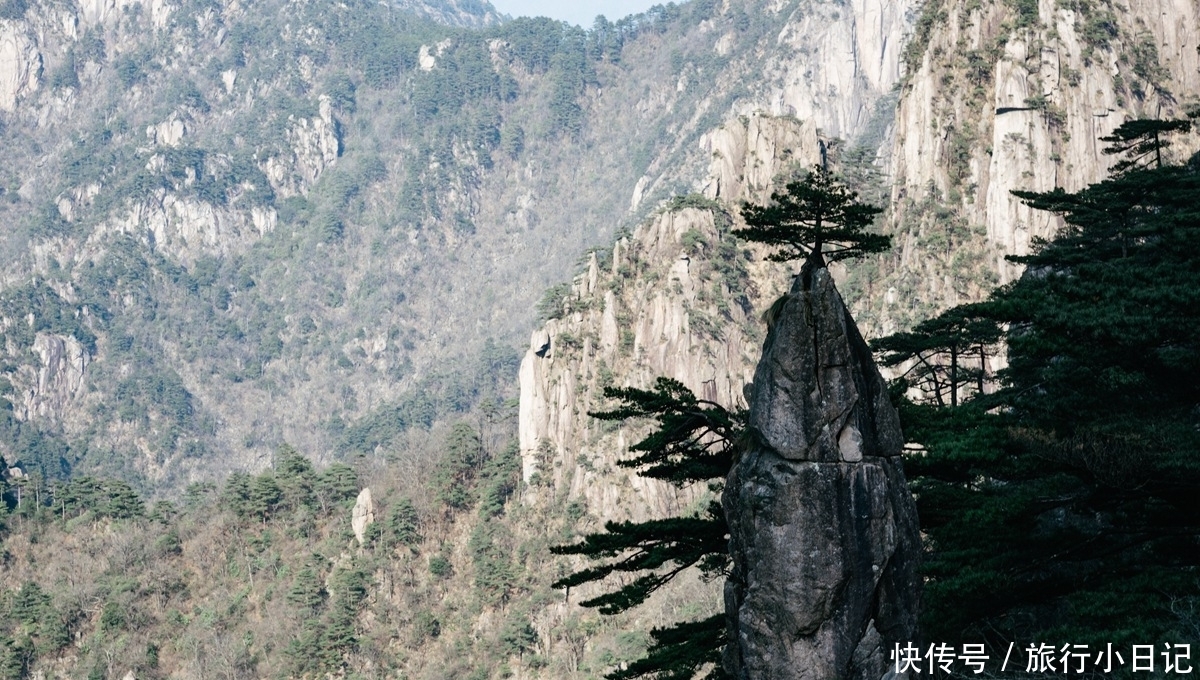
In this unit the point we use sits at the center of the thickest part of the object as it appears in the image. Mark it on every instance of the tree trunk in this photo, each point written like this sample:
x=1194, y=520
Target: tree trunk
x=954, y=375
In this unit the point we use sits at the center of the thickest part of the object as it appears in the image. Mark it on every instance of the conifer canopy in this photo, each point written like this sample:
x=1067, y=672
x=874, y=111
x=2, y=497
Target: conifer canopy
x=815, y=216
x=1141, y=142
x=694, y=441
x=1060, y=502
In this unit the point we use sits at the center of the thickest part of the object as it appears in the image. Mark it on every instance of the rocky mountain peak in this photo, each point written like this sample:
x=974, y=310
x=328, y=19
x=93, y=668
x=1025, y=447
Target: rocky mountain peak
x=824, y=535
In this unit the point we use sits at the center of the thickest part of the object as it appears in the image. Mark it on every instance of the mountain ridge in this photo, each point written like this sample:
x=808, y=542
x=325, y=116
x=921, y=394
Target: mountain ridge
x=461, y=13
x=313, y=226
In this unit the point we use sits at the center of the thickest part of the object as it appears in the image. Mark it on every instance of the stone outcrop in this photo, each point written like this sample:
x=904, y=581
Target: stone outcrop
x=627, y=330
x=315, y=145
x=454, y=12
x=824, y=534
x=48, y=389
x=849, y=56
x=98, y=12
x=20, y=63
x=989, y=107
x=748, y=157
x=363, y=515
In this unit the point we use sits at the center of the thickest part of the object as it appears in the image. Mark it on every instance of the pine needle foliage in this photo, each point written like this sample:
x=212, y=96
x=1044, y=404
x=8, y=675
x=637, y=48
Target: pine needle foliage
x=676, y=544
x=946, y=354
x=816, y=215
x=695, y=441
x=673, y=654
x=1141, y=142
x=1060, y=503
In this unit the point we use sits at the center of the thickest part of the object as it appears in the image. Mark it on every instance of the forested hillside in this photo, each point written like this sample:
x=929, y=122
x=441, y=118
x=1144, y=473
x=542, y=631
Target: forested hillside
x=263, y=575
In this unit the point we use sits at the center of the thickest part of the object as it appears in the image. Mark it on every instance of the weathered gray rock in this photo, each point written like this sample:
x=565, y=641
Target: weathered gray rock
x=824, y=533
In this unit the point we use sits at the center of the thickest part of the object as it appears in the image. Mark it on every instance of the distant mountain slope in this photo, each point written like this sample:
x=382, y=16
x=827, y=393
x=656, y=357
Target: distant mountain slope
x=304, y=223
x=329, y=222
x=461, y=13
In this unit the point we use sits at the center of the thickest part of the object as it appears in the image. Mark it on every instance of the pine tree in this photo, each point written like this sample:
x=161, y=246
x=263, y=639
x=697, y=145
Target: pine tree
x=79, y=495
x=677, y=543
x=338, y=635
x=296, y=478
x=517, y=636
x=163, y=512
x=403, y=524
x=458, y=467
x=235, y=497
x=307, y=591
x=265, y=496
x=111, y=498
x=1141, y=142
x=694, y=441
x=673, y=653
x=15, y=656
x=945, y=354
x=815, y=216
x=336, y=484
x=29, y=604
x=1064, y=504
x=120, y=501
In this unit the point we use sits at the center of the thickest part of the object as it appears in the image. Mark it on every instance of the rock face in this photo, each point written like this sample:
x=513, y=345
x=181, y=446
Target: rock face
x=314, y=145
x=49, y=390
x=363, y=515
x=824, y=534
x=627, y=331
x=20, y=63
x=454, y=12
x=993, y=103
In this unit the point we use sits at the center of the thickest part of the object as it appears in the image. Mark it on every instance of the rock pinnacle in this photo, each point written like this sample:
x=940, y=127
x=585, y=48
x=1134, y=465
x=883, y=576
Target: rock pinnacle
x=824, y=532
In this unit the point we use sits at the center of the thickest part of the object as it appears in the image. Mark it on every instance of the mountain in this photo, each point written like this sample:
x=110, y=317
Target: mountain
x=304, y=223
x=460, y=13
x=334, y=226
x=1007, y=96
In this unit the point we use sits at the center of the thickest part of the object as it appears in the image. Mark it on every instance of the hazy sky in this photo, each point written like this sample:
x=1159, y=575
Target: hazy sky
x=581, y=12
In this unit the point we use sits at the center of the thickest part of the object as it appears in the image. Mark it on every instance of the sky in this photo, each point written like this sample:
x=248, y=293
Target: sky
x=581, y=12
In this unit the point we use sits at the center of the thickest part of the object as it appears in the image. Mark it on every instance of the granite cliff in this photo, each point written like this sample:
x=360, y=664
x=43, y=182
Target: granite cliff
x=937, y=125
x=1001, y=96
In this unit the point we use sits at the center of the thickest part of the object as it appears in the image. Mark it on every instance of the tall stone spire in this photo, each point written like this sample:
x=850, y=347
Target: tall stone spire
x=824, y=533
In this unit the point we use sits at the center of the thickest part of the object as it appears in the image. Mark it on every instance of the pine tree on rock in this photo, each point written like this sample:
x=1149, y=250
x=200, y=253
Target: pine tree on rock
x=815, y=216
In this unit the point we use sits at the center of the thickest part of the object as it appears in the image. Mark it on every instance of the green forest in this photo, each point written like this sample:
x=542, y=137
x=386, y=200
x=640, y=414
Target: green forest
x=1059, y=500
x=256, y=577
